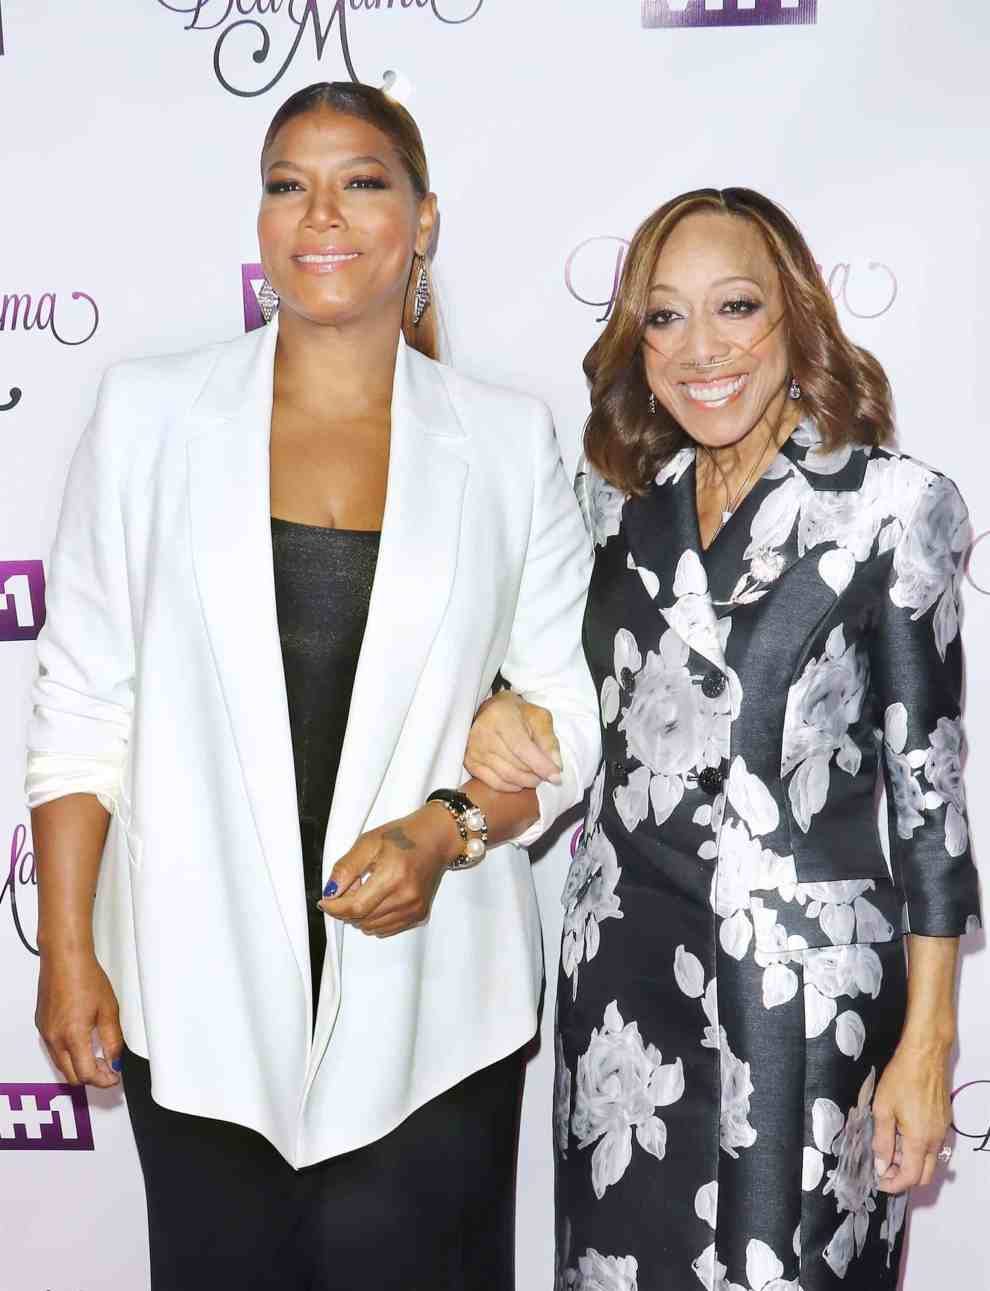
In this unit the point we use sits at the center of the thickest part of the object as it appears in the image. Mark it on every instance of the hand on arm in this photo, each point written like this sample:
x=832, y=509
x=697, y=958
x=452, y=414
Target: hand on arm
x=512, y=744
x=406, y=859
x=911, y=1108
x=75, y=998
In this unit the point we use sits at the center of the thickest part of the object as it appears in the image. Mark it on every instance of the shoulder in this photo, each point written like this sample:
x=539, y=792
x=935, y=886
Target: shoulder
x=905, y=485
x=478, y=403
x=163, y=383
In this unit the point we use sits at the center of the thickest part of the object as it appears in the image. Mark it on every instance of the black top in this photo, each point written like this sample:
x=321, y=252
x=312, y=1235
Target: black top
x=323, y=583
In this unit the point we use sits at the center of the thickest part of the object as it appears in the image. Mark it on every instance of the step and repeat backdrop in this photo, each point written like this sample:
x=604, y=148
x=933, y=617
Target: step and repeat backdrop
x=130, y=186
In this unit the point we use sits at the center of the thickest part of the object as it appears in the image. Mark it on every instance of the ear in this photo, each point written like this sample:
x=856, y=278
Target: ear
x=426, y=229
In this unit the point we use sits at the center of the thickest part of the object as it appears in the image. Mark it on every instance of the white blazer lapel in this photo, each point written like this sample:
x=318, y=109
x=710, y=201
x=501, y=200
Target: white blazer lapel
x=413, y=582
x=229, y=503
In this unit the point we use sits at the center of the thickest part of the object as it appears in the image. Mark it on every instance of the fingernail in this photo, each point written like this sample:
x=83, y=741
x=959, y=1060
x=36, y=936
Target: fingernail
x=880, y=1165
x=117, y=1064
x=331, y=888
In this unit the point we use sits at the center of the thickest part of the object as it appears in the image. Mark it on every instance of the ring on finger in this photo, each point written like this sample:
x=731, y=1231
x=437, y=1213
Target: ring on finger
x=945, y=1154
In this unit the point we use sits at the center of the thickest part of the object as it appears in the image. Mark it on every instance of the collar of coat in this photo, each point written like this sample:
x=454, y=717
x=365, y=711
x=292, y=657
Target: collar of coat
x=805, y=498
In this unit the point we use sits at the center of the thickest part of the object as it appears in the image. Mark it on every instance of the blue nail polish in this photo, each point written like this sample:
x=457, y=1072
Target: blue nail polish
x=331, y=889
x=117, y=1064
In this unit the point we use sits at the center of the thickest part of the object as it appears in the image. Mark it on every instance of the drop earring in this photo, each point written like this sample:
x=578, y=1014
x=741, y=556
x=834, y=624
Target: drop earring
x=653, y=404
x=794, y=390
x=267, y=300
x=422, y=297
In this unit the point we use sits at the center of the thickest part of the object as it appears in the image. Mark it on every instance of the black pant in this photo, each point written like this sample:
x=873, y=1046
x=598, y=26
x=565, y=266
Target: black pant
x=430, y=1207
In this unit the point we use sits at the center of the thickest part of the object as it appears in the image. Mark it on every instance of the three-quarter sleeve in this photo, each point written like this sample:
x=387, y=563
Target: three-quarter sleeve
x=545, y=660
x=83, y=695
x=917, y=669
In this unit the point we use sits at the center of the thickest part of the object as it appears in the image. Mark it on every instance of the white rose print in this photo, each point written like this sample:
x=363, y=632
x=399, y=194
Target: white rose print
x=735, y=1130
x=928, y=559
x=764, y=1271
x=671, y=727
x=588, y=899
x=620, y=1084
x=602, y=1273
x=821, y=706
x=852, y=1181
x=561, y=1097
x=940, y=764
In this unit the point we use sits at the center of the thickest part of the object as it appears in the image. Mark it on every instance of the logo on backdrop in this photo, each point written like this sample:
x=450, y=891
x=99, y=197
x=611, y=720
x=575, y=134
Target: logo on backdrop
x=728, y=13
x=971, y=1109
x=20, y=889
x=22, y=599
x=22, y=312
x=2, y=51
x=245, y=30
x=593, y=270
x=259, y=301
x=45, y=1117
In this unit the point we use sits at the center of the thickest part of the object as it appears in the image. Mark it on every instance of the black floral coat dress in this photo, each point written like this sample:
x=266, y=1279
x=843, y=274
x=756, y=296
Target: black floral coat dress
x=732, y=977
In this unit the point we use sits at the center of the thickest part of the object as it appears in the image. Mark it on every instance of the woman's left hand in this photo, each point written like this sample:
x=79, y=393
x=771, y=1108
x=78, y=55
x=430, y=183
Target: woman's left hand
x=912, y=1113
x=404, y=861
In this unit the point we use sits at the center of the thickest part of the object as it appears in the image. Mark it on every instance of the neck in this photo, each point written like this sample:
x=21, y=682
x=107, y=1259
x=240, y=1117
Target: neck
x=732, y=466
x=346, y=369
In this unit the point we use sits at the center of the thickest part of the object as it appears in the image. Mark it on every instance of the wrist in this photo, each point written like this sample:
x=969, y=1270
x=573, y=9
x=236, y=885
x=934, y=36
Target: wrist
x=927, y=1043
x=64, y=948
x=443, y=829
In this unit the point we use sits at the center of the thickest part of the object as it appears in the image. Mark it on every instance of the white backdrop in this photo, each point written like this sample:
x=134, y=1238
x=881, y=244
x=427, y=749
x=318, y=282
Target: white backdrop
x=129, y=194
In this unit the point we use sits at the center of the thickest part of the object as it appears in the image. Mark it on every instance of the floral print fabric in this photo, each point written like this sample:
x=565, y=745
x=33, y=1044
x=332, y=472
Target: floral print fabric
x=732, y=978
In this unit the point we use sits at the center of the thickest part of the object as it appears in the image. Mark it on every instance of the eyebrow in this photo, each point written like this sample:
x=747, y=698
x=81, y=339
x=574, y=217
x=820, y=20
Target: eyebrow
x=721, y=282
x=351, y=161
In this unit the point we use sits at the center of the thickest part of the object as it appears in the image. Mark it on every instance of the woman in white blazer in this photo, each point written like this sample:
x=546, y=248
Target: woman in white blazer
x=306, y=1117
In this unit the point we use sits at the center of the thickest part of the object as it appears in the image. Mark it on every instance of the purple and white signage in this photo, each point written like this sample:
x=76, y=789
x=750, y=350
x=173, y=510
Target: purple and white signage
x=728, y=13
x=22, y=599
x=45, y=1117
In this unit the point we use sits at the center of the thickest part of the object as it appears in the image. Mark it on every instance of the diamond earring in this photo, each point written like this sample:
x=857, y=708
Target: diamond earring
x=422, y=297
x=794, y=390
x=267, y=300
x=653, y=403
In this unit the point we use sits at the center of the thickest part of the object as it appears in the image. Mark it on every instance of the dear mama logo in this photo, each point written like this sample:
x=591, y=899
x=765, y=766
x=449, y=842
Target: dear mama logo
x=729, y=13
x=247, y=30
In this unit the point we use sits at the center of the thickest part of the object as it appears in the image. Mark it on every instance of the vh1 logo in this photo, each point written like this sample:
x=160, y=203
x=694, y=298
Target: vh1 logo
x=22, y=599
x=728, y=13
x=45, y=1117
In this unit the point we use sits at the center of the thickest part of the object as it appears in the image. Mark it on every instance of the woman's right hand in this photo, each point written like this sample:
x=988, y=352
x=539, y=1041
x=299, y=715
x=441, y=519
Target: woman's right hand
x=75, y=999
x=512, y=745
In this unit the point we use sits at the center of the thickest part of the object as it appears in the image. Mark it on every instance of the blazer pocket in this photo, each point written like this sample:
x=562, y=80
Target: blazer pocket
x=838, y=912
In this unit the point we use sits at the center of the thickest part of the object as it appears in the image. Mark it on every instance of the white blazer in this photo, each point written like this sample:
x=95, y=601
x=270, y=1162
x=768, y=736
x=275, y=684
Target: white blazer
x=161, y=656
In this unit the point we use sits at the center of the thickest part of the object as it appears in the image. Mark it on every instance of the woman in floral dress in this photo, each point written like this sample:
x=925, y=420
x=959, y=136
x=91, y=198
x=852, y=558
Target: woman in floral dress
x=747, y=1084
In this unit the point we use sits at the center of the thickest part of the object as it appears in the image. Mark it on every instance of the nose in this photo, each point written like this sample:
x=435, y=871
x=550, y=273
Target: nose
x=325, y=211
x=702, y=343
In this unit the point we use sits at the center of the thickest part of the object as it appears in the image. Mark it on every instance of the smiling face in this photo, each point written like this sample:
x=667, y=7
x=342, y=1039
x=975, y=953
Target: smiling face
x=715, y=345
x=340, y=220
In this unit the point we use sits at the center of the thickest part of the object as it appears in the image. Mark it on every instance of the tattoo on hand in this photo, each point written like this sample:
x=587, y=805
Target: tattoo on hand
x=400, y=838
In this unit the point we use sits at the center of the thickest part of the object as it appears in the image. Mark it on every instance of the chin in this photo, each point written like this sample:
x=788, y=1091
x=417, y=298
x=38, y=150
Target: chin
x=718, y=431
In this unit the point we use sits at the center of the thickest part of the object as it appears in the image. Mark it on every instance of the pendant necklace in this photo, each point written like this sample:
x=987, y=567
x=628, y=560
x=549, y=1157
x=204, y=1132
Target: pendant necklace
x=730, y=505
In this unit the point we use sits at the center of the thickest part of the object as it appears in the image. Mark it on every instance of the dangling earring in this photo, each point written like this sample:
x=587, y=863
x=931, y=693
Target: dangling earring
x=653, y=404
x=267, y=300
x=422, y=297
x=794, y=390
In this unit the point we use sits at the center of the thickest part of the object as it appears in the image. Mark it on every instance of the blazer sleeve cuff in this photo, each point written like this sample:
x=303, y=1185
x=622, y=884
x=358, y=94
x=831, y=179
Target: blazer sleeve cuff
x=56, y=775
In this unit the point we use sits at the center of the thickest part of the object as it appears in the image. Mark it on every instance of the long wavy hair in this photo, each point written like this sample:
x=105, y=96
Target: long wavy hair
x=387, y=115
x=844, y=388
